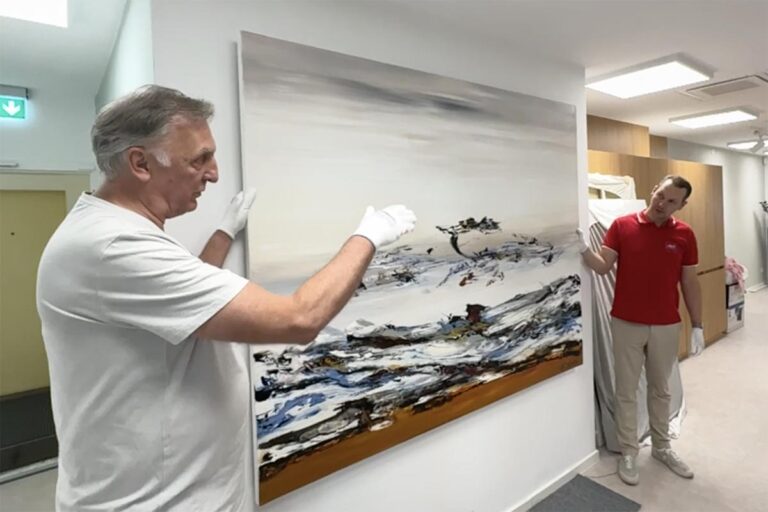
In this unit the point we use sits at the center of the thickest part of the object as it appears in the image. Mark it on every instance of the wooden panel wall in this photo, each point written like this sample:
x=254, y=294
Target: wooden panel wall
x=659, y=147
x=618, y=137
x=605, y=162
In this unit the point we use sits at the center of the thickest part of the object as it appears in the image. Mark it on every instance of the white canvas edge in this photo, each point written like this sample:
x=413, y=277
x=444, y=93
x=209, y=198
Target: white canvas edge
x=252, y=442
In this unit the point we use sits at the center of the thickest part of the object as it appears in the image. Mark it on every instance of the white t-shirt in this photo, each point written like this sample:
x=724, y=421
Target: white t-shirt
x=148, y=418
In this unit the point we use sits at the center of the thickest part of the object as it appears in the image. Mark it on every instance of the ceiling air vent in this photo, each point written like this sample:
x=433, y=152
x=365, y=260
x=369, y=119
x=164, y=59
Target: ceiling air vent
x=727, y=86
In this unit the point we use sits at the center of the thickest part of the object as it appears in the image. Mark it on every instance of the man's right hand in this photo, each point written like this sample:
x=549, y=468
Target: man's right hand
x=601, y=261
x=382, y=227
x=256, y=315
x=236, y=215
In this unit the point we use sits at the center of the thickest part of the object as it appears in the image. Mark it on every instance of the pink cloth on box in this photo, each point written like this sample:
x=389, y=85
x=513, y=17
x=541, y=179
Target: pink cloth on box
x=737, y=272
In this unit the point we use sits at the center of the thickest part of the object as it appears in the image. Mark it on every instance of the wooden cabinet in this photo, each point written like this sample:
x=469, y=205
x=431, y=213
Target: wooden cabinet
x=712, y=311
x=713, y=289
x=704, y=211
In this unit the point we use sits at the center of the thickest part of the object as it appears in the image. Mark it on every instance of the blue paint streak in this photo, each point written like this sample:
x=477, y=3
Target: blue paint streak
x=336, y=377
x=283, y=416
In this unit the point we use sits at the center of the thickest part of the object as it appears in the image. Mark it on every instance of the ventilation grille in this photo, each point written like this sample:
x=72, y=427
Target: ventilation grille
x=728, y=86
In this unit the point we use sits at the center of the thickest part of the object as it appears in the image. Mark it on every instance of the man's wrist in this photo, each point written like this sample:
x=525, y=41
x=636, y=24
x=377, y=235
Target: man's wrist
x=224, y=230
x=366, y=238
x=697, y=325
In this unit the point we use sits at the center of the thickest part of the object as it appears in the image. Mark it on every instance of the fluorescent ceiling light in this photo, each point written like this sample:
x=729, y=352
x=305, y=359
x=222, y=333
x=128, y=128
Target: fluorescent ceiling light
x=49, y=12
x=658, y=75
x=703, y=120
x=748, y=144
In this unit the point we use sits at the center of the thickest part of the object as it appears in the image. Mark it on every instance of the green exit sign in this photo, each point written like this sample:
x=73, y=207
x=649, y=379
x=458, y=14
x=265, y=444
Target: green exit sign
x=14, y=108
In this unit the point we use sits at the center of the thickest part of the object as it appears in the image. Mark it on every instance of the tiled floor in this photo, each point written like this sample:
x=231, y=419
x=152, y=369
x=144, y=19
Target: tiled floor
x=31, y=494
x=724, y=437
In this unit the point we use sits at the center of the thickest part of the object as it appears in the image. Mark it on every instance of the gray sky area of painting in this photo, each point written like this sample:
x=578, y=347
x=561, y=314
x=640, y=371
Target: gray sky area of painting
x=325, y=135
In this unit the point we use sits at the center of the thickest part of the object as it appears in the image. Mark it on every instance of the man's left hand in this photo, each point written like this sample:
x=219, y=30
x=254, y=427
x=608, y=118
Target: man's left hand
x=583, y=245
x=236, y=215
x=697, y=341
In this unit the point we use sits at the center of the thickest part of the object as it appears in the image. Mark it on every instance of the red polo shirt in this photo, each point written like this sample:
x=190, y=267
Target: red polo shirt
x=650, y=264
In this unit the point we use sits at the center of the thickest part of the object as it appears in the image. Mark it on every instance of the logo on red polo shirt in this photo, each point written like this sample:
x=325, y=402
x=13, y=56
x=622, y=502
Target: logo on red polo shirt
x=671, y=247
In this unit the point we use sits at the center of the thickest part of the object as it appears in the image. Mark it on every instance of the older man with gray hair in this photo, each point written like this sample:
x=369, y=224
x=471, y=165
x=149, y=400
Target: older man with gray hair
x=151, y=413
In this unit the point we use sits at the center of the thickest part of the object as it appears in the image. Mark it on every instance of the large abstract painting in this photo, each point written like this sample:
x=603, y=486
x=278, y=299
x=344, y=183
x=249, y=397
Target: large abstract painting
x=480, y=301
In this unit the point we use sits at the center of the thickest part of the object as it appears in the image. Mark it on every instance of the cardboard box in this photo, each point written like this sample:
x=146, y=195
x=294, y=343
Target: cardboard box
x=734, y=295
x=735, y=317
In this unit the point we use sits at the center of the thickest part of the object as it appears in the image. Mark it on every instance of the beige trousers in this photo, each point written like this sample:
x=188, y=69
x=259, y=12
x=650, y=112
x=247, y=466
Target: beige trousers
x=633, y=345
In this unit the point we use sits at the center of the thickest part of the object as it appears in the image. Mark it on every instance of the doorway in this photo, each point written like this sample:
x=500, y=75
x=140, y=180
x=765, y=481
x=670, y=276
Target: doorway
x=32, y=205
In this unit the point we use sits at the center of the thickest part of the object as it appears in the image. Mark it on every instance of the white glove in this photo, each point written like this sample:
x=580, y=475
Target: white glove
x=236, y=215
x=583, y=246
x=697, y=341
x=385, y=226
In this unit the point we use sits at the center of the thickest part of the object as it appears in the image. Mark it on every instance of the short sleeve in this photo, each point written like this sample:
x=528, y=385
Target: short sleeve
x=150, y=282
x=611, y=239
x=691, y=255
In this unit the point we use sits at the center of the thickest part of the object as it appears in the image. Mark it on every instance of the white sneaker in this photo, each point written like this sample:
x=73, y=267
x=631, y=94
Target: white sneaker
x=672, y=461
x=628, y=470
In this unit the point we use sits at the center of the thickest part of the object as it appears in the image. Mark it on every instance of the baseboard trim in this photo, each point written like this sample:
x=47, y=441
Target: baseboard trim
x=37, y=467
x=757, y=287
x=558, y=482
x=28, y=452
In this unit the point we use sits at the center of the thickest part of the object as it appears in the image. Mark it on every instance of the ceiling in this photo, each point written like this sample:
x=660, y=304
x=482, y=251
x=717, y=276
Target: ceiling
x=730, y=36
x=33, y=55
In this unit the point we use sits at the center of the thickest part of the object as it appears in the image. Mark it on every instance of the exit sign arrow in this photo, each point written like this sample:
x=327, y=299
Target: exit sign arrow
x=11, y=108
x=15, y=108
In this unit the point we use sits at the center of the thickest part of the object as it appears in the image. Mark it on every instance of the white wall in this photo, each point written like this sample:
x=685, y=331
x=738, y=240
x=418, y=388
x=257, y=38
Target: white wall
x=54, y=136
x=744, y=186
x=131, y=62
x=491, y=460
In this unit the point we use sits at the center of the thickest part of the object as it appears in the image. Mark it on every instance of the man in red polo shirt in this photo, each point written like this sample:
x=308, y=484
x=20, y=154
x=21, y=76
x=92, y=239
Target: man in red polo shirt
x=655, y=252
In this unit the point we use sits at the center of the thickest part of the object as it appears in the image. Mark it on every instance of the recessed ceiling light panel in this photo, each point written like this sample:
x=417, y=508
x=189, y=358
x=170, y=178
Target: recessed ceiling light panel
x=747, y=144
x=720, y=117
x=654, y=76
x=48, y=12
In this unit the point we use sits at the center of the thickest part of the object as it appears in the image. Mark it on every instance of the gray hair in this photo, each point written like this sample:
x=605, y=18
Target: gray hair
x=138, y=119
